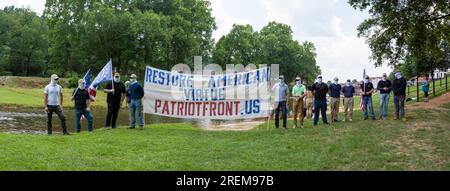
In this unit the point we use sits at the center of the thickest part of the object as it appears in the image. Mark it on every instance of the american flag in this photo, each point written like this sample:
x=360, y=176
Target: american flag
x=87, y=79
x=361, y=101
x=104, y=76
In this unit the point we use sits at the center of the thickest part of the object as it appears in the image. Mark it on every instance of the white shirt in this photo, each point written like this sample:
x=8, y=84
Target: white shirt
x=53, y=93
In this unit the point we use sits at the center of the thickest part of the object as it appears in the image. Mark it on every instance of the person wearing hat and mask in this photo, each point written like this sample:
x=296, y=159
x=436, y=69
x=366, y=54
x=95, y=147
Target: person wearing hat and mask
x=385, y=87
x=298, y=93
x=82, y=103
x=348, y=90
x=116, y=94
x=53, y=101
x=281, y=96
x=320, y=91
x=367, y=90
x=127, y=95
x=136, y=94
x=399, y=89
x=335, y=100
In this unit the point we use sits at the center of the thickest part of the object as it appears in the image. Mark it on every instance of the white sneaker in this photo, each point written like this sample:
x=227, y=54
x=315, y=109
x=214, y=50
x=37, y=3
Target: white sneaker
x=295, y=126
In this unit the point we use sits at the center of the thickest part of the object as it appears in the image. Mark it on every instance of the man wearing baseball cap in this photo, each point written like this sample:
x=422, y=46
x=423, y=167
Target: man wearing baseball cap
x=348, y=90
x=399, y=89
x=335, y=94
x=367, y=90
x=116, y=94
x=53, y=101
x=136, y=95
x=320, y=91
x=298, y=93
x=281, y=96
x=385, y=87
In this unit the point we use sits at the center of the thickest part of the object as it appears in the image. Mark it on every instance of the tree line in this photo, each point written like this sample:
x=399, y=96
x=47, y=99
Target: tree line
x=411, y=36
x=73, y=36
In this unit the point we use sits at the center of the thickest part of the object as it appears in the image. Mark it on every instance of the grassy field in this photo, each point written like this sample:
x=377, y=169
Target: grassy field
x=421, y=143
x=33, y=97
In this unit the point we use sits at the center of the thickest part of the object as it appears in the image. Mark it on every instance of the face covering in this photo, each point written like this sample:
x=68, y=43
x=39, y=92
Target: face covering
x=81, y=86
x=53, y=82
x=366, y=81
x=398, y=75
x=336, y=82
x=117, y=79
x=133, y=81
x=298, y=83
x=348, y=84
x=319, y=81
x=384, y=78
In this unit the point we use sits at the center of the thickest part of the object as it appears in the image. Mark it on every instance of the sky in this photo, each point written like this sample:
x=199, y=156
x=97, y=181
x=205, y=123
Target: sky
x=329, y=24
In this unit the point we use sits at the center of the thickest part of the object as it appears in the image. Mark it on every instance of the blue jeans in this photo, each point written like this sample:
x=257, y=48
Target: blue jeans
x=399, y=102
x=384, y=102
x=136, y=105
x=87, y=115
x=368, y=105
x=281, y=105
x=320, y=107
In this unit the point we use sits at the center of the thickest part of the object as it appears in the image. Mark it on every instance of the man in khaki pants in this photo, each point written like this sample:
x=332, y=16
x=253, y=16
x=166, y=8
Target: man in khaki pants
x=348, y=91
x=298, y=93
x=335, y=94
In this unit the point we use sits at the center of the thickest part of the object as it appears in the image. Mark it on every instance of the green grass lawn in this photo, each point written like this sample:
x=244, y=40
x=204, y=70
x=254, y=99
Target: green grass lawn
x=422, y=143
x=26, y=97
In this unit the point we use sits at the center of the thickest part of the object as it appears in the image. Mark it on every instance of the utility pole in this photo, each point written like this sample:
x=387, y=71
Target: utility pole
x=417, y=84
x=434, y=85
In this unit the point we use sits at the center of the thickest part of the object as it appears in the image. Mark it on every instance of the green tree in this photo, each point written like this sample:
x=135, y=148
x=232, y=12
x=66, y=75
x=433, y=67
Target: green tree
x=240, y=46
x=274, y=44
x=406, y=32
x=134, y=33
x=278, y=47
x=23, y=42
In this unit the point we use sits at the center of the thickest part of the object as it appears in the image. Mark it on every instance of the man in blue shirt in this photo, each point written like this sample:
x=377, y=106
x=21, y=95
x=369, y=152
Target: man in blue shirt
x=136, y=94
x=281, y=96
x=348, y=91
x=335, y=94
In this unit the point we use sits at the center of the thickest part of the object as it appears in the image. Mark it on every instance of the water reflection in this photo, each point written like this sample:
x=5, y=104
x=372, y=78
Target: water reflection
x=34, y=121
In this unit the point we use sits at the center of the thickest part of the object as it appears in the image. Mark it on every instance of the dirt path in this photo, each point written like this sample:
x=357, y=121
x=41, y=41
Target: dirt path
x=409, y=143
x=234, y=126
x=435, y=103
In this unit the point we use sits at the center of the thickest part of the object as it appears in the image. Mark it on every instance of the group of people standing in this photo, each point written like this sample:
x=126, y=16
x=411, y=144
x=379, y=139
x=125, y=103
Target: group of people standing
x=307, y=101
x=117, y=92
x=314, y=98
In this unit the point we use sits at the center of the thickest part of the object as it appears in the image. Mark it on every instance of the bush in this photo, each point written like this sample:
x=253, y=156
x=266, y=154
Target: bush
x=73, y=80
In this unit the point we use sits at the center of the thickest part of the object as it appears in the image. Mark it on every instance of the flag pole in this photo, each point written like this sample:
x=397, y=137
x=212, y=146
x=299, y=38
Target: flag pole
x=143, y=112
x=112, y=75
x=143, y=101
x=76, y=91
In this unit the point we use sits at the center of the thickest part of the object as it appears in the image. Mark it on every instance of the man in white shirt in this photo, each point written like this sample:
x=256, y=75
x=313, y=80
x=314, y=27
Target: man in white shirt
x=53, y=101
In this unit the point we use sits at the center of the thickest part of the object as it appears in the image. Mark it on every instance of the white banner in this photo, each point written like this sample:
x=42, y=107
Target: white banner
x=222, y=97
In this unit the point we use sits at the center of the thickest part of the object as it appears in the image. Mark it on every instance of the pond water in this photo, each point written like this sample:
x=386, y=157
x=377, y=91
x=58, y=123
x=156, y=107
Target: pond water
x=34, y=121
